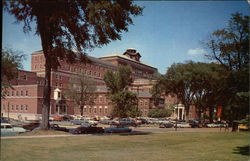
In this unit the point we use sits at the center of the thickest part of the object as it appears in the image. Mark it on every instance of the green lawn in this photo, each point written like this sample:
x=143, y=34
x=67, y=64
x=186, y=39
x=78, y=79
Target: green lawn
x=171, y=146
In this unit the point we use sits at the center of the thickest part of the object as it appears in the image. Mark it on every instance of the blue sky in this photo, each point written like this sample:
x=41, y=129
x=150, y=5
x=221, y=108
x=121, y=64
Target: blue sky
x=168, y=32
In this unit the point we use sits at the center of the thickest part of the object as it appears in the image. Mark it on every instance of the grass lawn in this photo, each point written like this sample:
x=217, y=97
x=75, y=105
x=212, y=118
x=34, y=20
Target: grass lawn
x=171, y=146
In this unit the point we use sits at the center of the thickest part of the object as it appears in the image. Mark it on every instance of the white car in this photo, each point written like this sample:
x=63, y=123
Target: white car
x=8, y=129
x=182, y=125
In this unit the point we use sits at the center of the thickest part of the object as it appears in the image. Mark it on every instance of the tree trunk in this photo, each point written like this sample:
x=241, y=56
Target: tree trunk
x=46, y=95
x=81, y=110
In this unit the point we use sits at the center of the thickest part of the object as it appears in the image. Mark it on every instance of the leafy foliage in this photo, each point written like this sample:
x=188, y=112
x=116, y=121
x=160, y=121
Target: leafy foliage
x=160, y=113
x=65, y=26
x=81, y=91
x=11, y=61
x=124, y=101
x=230, y=47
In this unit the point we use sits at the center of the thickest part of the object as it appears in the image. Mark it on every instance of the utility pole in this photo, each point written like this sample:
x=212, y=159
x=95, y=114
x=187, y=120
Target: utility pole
x=8, y=111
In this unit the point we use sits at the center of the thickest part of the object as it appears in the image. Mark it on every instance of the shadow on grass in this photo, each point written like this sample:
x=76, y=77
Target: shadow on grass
x=135, y=133
x=243, y=150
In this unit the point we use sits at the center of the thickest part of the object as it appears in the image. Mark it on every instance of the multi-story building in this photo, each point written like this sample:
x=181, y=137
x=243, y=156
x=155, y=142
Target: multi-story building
x=24, y=100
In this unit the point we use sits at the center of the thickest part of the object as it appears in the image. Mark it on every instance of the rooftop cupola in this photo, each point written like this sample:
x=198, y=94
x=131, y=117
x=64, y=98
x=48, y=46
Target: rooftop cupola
x=131, y=53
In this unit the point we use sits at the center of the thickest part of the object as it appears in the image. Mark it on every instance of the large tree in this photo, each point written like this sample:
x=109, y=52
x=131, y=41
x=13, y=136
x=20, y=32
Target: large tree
x=230, y=47
x=65, y=25
x=124, y=101
x=178, y=82
x=82, y=91
x=11, y=61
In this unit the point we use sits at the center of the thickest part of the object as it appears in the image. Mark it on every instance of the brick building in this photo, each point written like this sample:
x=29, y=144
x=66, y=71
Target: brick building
x=24, y=101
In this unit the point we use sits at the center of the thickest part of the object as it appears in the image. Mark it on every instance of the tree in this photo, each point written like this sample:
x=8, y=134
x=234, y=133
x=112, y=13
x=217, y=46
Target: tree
x=11, y=61
x=230, y=47
x=160, y=113
x=66, y=25
x=124, y=101
x=208, y=80
x=178, y=82
x=81, y=91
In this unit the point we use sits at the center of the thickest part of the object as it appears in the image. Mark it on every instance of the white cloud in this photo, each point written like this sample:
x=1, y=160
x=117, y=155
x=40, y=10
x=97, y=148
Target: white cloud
x=196, y=51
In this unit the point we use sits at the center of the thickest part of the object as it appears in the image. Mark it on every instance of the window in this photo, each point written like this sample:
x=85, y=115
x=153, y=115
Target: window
x=16, y=107
x=56, y=84
x=99, y=74
x=106, y=110
x=21, y=108
x=56, y=76
x=100, y=110
x=89, y=109
x=26, y=93
x=95, y=109
x=24, y=77
x=59, y=94
x=17, y=93
x=21, y=93
x=56, y=108
x=8, y=93
x=60, y=77
x=26, y=107
x=12, y=107
x=60, y=84
x=94, y=73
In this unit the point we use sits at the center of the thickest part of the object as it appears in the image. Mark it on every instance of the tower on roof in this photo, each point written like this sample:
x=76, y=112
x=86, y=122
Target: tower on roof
x=131, y=53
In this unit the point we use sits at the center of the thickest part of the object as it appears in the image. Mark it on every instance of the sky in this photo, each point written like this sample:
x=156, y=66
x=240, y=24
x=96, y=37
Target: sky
x=168, y=32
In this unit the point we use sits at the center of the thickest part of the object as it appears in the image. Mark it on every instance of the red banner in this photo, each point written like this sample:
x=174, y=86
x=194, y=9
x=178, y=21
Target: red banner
x=218, y=111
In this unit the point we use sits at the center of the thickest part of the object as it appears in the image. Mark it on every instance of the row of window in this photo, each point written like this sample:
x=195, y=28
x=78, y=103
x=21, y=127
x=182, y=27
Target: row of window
x=95, y=110
x=17, y=93
x=145, y=103
x=15, y=108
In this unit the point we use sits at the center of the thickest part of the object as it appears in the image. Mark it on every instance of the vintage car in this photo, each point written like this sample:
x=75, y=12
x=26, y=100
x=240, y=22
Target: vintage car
x=87, y=128
x=242, y=127
x=117, y=129
x=8, y=129
x=79, y=121
x=58, y=128
x=182, y=125
x=166, y=125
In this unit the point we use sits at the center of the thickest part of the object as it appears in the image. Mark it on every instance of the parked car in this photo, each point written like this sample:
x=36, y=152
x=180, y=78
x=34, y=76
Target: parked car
x=106, y=122
x=182, y=125
x=242, y=127
x=4, y=120
x=57, y=118
x=79, y=122
x=128, y=122
x=67, y=117
x=8, y=129
x=117, y=129
x=58, y=128
x=166, y=125
x=195, y=123
x=87, y=128
x=31, y=126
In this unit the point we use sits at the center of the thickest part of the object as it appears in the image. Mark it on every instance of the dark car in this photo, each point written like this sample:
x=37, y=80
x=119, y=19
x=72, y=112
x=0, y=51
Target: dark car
x=58, y=128
x=87, y=128
x=195, y=124
x=31, y=126
x=166, y=125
